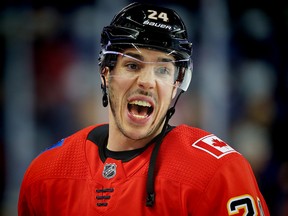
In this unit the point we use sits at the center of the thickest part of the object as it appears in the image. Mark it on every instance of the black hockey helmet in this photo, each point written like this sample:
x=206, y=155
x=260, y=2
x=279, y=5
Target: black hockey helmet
x=152, y=27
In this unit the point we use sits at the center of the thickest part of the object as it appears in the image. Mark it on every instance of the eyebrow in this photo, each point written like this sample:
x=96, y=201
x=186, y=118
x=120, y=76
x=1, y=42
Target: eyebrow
x=141, y=57
x=135, y=55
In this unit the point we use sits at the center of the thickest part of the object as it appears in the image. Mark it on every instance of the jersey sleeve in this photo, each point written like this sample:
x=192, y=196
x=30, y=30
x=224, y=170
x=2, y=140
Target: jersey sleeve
x=233, y=190
x=25, y=206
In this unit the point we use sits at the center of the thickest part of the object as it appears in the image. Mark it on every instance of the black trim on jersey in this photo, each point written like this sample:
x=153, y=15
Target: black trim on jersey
x=99, y=136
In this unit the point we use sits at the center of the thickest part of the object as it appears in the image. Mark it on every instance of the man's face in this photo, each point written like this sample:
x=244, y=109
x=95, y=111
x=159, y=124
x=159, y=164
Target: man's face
x=140, y=90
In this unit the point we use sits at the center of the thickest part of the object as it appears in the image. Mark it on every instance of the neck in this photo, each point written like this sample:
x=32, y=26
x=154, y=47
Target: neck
x=117, y=141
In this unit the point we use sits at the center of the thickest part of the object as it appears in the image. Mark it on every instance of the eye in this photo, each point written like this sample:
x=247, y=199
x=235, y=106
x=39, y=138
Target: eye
x=163, y=71
x=132, y=66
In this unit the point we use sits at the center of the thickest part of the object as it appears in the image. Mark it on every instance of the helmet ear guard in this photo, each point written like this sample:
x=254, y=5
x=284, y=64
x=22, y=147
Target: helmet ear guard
x=185, y=76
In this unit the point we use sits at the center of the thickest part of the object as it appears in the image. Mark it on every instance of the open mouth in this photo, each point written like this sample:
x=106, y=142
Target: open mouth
x=140, y=109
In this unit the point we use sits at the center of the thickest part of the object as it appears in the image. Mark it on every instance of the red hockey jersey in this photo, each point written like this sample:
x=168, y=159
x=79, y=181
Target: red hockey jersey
x=196, y=174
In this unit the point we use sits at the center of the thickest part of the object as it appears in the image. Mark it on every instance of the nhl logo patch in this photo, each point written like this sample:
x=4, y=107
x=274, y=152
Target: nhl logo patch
x=109, y=170
x=214, y=146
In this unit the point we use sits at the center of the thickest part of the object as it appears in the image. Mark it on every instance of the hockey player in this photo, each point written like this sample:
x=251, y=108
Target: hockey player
x=139, y=164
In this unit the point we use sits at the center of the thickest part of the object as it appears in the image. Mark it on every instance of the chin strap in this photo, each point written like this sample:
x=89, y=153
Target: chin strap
x=105, y=97
x=150, y=199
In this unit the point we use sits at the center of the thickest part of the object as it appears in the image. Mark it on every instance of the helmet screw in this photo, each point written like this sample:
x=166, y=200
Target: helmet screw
x=146, y=40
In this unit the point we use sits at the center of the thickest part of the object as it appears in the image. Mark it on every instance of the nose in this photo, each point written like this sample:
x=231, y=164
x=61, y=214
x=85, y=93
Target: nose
x=146, y=78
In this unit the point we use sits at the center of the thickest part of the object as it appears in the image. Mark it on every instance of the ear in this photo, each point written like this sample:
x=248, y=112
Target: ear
x=174, y=91
x=104, y=75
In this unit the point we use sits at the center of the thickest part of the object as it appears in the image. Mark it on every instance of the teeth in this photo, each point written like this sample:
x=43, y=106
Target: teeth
x=140, y=103
x=139, y=116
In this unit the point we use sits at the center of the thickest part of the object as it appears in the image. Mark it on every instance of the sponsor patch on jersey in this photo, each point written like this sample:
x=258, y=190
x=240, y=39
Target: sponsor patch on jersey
x=213, y=145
